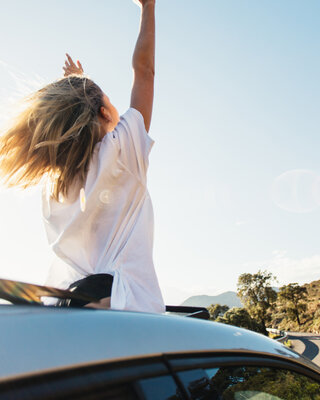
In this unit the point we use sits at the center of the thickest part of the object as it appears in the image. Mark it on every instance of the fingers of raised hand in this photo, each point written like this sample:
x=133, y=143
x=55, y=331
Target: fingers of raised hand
x=79, y=65
x=66, y=71
x=70, y=60
x=70, y=67
x=142, y=3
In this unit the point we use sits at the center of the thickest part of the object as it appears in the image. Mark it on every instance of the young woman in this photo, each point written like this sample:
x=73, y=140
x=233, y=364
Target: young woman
x=96, y=206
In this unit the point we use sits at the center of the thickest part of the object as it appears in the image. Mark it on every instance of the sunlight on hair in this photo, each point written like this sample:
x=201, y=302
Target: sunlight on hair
x=55, y=133
x=18, y=86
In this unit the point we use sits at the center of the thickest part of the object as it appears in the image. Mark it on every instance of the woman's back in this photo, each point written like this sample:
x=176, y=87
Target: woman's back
x=107, y=226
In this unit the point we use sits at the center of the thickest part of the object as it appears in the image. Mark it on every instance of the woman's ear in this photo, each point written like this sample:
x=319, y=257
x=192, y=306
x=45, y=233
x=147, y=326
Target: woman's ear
x=105, y=113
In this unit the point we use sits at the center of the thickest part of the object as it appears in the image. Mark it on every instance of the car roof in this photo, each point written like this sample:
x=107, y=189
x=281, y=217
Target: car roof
x=37, y=338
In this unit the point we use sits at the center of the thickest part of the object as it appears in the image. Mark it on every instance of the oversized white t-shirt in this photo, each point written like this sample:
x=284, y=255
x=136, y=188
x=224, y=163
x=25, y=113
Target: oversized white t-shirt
x=107, y=226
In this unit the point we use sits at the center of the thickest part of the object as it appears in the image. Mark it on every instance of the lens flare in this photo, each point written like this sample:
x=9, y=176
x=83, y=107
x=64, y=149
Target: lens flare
x=297, y=191
x=105, y=196
x=82, y=200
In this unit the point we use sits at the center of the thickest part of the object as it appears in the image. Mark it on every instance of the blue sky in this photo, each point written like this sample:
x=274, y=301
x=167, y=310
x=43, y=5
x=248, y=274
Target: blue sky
x=234, y=174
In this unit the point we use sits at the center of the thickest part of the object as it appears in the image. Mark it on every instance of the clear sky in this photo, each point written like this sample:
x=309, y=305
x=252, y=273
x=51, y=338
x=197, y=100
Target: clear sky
x=235, y=171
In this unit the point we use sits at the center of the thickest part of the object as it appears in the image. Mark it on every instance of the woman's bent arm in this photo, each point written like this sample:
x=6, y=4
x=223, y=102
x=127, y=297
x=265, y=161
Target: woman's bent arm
x=143, y=63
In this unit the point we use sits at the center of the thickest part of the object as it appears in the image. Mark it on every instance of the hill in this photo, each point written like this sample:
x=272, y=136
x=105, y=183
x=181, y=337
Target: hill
x=310, y=319
x=227, y=298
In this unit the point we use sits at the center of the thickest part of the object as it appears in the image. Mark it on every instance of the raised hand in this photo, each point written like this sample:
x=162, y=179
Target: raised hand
x=143, y=2
x=71, y=68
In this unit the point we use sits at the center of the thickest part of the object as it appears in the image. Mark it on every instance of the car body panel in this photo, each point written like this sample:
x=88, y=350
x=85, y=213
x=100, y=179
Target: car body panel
x=37, y=338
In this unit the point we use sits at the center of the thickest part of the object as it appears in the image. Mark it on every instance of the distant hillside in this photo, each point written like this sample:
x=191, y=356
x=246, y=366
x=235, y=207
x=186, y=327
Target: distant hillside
x=227, y=298
x=310, y=318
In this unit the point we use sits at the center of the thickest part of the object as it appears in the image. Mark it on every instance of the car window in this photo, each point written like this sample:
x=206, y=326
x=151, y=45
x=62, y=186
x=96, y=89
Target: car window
x=248, y=382
x=196, y=383
x=67, y=389
x=132, y=379
x=158, y=388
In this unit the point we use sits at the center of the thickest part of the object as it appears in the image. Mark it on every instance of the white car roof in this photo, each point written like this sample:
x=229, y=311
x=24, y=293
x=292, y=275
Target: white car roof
x=40, y=338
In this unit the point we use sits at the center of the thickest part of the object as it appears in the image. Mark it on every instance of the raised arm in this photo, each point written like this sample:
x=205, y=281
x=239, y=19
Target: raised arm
x=143, y=63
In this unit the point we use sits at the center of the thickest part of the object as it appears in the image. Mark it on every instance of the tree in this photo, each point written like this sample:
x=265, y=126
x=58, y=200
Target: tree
x=240, y=317
x=293, y=299
x=216, y=310
x=258, y=296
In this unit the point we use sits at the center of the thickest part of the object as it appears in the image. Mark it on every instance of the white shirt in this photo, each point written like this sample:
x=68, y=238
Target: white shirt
x=107, y=226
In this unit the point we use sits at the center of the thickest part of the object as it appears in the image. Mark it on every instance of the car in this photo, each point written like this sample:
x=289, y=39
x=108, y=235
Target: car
x=80, y=353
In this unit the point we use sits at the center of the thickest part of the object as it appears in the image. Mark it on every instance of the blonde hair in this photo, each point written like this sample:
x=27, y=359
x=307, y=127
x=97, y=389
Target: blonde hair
x=54, y=136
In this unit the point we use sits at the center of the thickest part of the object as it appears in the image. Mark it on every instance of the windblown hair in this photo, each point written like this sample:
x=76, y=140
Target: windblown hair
x=54, y=136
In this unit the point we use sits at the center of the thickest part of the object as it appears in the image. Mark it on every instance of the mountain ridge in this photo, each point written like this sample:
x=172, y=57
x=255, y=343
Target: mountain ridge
x=228, y=298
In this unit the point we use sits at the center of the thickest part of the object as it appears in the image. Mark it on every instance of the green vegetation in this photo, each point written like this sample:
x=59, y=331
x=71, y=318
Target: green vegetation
x=288, y=343
x=293, y=308
x=266, y=382
x=240, y=317
x=216, y=310
x=273, y=335
x=293, y=299
x=305, y=304
x=258, y=296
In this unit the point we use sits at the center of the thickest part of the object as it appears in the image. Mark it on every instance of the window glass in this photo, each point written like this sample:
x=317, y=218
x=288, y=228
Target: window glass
x=260, y=383
x=159, y=388
x=196, y=383
x=248, y=382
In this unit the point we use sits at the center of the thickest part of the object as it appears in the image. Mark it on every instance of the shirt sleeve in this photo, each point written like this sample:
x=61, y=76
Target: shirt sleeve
x=133, y=142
